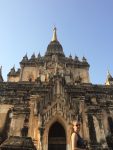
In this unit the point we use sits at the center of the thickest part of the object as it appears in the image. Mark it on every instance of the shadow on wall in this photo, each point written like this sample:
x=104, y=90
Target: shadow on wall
x=5, y=130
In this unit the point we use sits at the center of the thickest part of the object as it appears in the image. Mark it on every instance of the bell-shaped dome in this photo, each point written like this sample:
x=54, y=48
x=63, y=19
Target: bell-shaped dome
x=54, y=47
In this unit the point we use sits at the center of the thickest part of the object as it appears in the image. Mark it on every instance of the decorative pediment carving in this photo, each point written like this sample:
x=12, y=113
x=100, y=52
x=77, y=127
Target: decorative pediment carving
x=57, y=108
x=54, y=64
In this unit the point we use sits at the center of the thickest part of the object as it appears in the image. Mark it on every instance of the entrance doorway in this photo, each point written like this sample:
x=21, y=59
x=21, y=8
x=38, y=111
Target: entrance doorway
x=56, y=137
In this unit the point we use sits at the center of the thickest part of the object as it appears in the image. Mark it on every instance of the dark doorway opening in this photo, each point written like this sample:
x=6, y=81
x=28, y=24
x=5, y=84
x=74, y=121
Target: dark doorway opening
x=56, y=137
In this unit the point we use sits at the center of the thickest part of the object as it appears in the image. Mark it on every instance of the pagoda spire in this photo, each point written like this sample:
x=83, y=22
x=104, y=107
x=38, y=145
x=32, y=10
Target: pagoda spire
x=54, y=38
x=109, y=78
x=1, y=78
x=108, y=74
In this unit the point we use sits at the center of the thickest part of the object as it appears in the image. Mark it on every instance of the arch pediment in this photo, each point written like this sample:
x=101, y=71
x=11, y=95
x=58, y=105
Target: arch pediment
x=56, y=109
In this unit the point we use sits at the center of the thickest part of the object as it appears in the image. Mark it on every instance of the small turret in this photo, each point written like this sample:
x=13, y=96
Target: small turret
x=109, y=79
x=76, y=58
x=25, y=57
x=24, y=60
x=13, y=75
x=33, y=56
x=12, y=72
x=39, y=56
x=84, y=59
x=70, y=56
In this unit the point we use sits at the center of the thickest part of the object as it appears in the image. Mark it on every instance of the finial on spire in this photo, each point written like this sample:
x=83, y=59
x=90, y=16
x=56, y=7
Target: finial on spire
x=54, y=38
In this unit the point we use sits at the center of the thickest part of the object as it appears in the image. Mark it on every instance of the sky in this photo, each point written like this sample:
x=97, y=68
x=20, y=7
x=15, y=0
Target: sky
x=84, y=28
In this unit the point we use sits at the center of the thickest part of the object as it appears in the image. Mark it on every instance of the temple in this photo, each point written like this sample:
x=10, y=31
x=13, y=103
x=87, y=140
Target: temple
x=40, y=100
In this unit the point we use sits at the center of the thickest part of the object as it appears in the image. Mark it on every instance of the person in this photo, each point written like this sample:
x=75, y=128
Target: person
x=77, y=142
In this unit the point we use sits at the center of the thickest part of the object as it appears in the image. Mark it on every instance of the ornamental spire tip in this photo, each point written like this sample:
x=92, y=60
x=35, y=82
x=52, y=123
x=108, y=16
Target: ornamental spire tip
x=54, y=38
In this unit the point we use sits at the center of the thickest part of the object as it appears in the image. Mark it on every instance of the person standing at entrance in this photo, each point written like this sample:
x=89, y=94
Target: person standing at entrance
x=77, y=142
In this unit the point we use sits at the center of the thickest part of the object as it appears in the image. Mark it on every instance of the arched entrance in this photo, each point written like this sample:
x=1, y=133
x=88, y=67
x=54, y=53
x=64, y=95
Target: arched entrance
x=56, y=137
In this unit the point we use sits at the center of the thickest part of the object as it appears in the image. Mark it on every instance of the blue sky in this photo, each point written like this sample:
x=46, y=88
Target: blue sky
x=84, y=28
